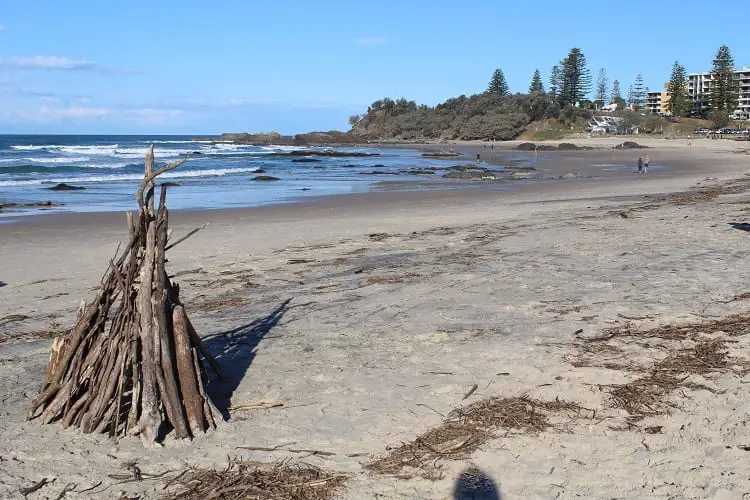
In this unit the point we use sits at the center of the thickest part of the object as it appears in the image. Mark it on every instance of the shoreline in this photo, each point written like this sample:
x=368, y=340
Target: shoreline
x=555, y=164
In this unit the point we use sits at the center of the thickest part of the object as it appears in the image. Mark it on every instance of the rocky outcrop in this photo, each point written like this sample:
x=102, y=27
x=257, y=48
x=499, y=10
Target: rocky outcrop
x=265, y=178
x=65, y=187
x=20, y=206
x=332, y=137
x=328, y=152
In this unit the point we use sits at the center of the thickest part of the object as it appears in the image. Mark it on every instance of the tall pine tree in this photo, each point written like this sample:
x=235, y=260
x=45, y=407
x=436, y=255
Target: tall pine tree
x=601, y=89
x=638, y=95
x=677, y=88
x=724, y=83
x=498, y=85
x=616, y=95
x=536, y=83
x=575, y=79
x=554, y=81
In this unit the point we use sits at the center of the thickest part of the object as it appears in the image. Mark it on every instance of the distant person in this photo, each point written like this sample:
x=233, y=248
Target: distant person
x=640, y=165
x=646, y=161
x=478, y=157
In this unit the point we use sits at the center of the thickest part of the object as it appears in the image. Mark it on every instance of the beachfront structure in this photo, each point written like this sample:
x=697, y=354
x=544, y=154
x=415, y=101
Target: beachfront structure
x=699, y=92
x=601, y=125
x=658, y=103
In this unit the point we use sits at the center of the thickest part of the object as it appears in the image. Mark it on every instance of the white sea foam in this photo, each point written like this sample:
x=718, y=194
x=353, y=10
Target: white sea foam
x=175, y=174
x=59, y=159
x=98, y=149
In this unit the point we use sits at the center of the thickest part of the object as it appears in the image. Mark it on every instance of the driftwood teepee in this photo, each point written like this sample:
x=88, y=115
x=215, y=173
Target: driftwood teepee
x=130, y=365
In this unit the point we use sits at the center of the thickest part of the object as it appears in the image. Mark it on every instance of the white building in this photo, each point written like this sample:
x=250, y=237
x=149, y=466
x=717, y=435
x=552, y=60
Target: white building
x=699, y=91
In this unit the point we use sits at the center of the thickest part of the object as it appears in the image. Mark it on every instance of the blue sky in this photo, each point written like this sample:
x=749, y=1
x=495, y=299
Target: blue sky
x=195, y=67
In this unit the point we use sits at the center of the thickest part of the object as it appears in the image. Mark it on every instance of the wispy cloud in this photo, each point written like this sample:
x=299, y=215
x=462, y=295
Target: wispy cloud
x=54, y=63
x=236, y=103
x=372, y=40
x=2, y=27
x=90, y=114
x=72, y=112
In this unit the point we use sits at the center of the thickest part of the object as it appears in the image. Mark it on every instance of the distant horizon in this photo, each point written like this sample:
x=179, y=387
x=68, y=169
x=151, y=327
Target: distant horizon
x=304, y=66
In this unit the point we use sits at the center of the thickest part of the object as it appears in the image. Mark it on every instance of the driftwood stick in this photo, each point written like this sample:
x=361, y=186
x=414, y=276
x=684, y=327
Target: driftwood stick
x=198, y=342
x=162, y=316
x=186, y=371
x=185, y=237
x=149, y=422
x=212, y=414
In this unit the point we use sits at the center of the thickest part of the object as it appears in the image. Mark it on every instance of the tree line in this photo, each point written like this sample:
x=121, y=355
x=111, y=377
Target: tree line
x=496, y=113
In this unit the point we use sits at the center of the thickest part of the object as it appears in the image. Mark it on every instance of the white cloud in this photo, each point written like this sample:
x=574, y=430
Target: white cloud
x=54, y=63
x=48, y=62
x=372, y=40
x=73, y=112
x=154, y=116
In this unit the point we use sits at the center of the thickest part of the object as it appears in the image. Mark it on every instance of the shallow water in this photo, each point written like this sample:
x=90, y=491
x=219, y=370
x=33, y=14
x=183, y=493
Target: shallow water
x=217, y=175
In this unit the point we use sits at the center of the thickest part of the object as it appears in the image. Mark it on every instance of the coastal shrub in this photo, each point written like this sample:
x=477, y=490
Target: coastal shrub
x=480, y=116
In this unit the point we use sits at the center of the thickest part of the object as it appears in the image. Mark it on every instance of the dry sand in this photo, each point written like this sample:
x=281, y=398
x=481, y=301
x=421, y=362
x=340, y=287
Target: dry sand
x=371, y=316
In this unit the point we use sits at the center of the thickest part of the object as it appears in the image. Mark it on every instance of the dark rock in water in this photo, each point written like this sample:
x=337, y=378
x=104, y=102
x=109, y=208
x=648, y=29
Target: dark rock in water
x=466, y=167
x=328, y=152
x=525, y=146
x=39, y=204
x=170, y=184
x=441, y=154
x=422, y=172
x=474, y=175
x=65, y=187
x=378, y=172
x=630, y=145
x=265, y=178
x=519, y=169
x=530, y=146
x=378, y=165
x=566, y=146
x=196, y=153
x=305, y=160
x=260, y=171
x=305, y=189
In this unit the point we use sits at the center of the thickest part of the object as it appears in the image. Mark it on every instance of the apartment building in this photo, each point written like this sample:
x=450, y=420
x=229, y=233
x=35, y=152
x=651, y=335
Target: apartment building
x=658, y=103
x=699, y=91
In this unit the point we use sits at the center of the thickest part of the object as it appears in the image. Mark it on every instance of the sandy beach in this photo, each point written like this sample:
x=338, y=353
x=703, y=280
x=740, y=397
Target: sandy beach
x=371, y=317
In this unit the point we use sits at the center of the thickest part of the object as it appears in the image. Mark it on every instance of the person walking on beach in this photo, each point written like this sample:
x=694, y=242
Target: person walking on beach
x=640, y=165
x=646, y=161
x=478, y=157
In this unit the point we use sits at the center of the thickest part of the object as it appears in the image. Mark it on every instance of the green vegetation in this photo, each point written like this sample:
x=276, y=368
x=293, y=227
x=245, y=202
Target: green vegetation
x=498, y=85
x=480, y=116
x=724, y=87
x=601, y=89
x=554, y=81
x=617, y=96
x=575, y=79
x=677, y=88
x=536, y=83
x=637, y=94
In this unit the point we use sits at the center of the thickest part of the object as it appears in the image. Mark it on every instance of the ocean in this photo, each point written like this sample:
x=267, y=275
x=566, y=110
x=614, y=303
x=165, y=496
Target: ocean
x=217, y=175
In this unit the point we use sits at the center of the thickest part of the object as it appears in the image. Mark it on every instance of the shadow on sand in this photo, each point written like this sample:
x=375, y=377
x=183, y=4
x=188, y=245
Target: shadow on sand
x=474, y=484
x=235, y=351
x=742, y=226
